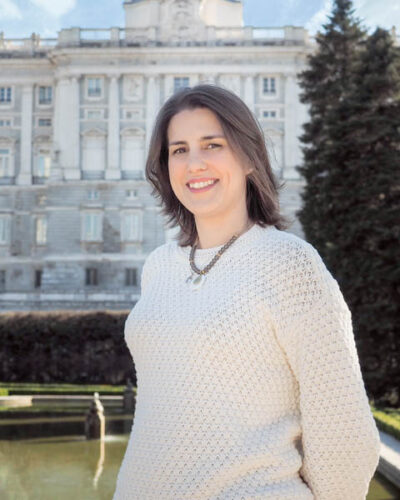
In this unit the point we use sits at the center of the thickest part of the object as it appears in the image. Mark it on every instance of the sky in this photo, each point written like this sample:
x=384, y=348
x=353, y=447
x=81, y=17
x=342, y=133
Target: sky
x=21, y=18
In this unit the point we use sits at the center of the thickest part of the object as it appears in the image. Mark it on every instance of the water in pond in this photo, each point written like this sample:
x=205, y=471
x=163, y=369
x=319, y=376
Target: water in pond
x=58, y=463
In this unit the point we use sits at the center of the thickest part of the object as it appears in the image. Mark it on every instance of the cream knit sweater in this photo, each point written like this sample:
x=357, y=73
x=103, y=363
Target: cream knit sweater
x=250, y=386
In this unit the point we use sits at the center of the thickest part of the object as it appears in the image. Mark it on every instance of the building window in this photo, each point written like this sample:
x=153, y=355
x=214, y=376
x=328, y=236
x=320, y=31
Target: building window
x=130, y=230
x=131, y=194
x=91, y=276
x=181, y=82
x=41, y=230
x=94, y=152
x=44, y=122
x=132, y=153
x=95, y=87
x=5, y=122
x=132, y=114
x=2, y=280
x=38, y=278
x=269, y=114
x=93, y=194
x=92, y=226
x=5, y=163
x=4, y=229
x=269, y=85
x=94, y=114
x=45, y=95
x=131, y=277
x=43, y=164
x=5, y=95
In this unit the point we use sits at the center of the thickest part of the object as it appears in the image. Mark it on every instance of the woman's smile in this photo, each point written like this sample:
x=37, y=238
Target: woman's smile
x=200, y=187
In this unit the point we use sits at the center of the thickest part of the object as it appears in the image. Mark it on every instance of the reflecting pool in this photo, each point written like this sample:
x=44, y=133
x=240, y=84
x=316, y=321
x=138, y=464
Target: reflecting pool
x=47, y=457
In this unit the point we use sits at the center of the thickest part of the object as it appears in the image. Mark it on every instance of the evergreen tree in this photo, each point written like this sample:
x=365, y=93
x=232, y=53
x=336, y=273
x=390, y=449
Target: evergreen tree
x=325, y=82
x=351, y=198
x=365, y=222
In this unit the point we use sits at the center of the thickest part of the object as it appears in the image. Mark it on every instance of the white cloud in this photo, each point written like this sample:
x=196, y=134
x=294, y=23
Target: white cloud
x=55, y=8
x=319, y=18
x=9, y=10
x=371, y=13
x=384, y=13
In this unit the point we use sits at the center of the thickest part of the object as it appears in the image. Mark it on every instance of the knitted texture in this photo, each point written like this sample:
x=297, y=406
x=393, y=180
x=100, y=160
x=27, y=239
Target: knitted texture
x=250, y=386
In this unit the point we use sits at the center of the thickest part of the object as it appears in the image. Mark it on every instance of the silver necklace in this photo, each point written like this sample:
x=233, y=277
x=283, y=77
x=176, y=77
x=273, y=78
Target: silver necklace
x=194, y=281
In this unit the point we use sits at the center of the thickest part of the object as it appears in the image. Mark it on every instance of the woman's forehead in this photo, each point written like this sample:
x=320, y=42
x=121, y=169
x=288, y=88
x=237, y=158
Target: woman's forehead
x=198, y=122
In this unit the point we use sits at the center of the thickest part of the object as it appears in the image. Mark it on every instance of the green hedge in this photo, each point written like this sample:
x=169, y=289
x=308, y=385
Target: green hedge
x=64, y=346
x=21, y=388
x=387, y=420
x=3, y=392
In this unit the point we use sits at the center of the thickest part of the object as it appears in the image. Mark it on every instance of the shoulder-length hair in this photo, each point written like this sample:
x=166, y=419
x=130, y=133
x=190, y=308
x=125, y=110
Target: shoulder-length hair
x=245, y=137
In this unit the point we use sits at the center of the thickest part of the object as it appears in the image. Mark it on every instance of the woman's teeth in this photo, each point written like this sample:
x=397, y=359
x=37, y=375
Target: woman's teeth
x=199, y=185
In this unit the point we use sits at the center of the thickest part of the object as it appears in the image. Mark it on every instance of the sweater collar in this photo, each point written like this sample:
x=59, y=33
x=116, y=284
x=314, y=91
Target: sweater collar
x=244, y=241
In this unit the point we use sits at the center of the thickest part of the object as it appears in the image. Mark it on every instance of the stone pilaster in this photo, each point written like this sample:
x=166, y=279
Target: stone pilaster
x=72, y=156
x=62, y=119
x=113, y=141
x=248, y=96
x=290, y=140
x=152, y=106
x=25, y=170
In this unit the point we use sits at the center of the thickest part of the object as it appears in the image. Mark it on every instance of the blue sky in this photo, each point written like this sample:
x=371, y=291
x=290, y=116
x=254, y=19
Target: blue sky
x=20, y=18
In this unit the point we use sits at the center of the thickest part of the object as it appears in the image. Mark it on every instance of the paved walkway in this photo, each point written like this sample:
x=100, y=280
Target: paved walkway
x=389, y=462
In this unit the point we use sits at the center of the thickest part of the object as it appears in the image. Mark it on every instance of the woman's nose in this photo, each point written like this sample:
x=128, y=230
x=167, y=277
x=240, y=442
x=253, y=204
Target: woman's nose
x=195, y=162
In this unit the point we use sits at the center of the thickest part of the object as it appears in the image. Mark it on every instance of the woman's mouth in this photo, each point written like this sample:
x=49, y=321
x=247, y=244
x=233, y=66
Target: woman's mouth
x=202, y=186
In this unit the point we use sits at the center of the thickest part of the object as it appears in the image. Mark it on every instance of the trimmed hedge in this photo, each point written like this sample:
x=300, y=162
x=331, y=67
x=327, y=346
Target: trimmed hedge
x=64, y=346
x=21, y=388
x=387, y=420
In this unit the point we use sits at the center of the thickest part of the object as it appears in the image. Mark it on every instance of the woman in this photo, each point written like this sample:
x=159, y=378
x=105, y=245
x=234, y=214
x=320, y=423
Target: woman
x=249, y=383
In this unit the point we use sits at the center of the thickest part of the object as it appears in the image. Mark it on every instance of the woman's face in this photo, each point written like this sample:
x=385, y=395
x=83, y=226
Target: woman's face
x=198, y=151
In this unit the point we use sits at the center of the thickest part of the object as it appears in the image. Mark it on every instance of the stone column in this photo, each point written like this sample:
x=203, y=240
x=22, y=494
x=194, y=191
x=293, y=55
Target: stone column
x=249, y=91
x=290, y=139
x=72, y=154
x=112, y=168
x=25, y=170
x=62, y=118
x=152, y=105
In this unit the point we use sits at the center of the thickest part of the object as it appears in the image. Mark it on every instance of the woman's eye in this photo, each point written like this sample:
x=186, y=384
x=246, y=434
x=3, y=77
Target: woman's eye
x=213, y=144
x=177, y=150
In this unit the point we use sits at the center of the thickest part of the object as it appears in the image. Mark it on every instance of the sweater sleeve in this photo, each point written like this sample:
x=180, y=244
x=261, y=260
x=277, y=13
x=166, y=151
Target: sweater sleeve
x=340, y=440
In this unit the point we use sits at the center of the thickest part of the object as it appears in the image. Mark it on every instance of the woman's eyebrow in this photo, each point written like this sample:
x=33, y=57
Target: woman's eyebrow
x=204, y=138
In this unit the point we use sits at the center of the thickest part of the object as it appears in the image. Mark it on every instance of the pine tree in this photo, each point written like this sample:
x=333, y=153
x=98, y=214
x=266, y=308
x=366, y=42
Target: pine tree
x=324, y=83
x=351, y=207
x=365, y=191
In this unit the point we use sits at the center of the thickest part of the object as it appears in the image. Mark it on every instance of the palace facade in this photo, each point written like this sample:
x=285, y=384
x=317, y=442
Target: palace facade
x=77, y=218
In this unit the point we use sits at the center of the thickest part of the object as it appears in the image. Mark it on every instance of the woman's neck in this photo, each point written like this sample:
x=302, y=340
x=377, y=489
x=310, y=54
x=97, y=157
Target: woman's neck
x=220, y=235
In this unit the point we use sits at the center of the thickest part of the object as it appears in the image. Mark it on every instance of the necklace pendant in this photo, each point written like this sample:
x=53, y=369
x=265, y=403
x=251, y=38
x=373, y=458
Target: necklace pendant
x=196, y=282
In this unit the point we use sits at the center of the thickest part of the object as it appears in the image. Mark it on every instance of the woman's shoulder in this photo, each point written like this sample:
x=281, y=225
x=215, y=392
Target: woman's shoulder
x=158, y=254
x=286, y=246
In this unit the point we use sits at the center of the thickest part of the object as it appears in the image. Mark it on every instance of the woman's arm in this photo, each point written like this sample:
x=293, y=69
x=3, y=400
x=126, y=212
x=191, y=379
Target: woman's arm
x=340, y=440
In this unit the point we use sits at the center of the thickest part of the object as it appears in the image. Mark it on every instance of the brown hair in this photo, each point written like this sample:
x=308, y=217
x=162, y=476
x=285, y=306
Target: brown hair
x=246, y=138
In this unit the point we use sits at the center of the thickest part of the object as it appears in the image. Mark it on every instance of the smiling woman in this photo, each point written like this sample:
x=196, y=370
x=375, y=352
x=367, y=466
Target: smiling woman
x=209, y=133
x=249, y=383
x=201, y=163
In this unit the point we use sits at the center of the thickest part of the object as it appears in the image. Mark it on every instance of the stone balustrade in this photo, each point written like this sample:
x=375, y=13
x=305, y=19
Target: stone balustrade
x=125, y=37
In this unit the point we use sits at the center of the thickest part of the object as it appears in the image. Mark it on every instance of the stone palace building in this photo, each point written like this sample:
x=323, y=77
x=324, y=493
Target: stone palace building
x=77, y=218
